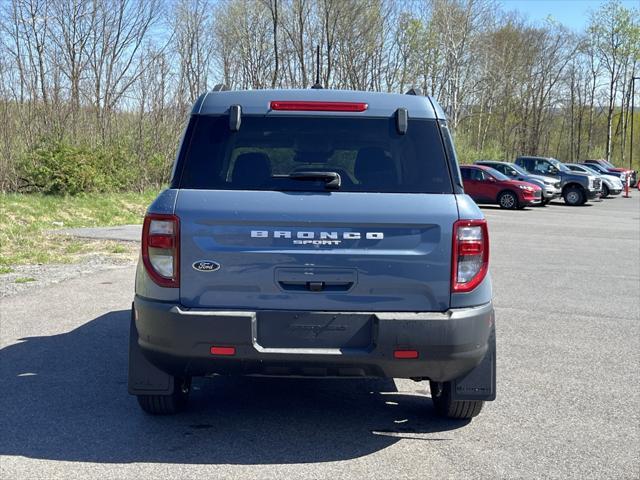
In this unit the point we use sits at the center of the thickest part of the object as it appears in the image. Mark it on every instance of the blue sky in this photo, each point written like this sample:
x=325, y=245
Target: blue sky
x=571, y=13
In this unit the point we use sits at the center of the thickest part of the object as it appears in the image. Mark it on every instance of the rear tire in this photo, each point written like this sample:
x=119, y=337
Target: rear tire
x=508, y=200
x=167, y=404
x=446, y=407
x=605, y=191
x=573, y=196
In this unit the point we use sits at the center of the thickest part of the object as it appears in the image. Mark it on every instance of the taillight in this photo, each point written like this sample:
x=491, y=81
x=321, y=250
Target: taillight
x=318, y=106
x=470, y=254
x=161, y=247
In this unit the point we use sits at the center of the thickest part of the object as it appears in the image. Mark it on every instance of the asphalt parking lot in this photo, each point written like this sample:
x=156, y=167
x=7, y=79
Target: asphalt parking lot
x=567, y=283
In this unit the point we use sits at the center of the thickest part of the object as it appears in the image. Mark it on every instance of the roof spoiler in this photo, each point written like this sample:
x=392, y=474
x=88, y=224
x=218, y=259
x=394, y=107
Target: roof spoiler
x=220, y=87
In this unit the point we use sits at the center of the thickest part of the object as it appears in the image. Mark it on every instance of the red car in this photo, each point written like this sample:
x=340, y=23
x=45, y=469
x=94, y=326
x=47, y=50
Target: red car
x=631, y=175
x=487, y=185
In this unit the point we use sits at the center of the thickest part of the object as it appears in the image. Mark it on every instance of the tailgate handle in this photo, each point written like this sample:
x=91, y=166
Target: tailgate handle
x=316, y=286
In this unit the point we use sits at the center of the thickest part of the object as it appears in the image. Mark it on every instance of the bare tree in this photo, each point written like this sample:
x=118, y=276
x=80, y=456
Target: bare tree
x=191, y=23
x=613, y=33
x=116, y=77
x=113, y=49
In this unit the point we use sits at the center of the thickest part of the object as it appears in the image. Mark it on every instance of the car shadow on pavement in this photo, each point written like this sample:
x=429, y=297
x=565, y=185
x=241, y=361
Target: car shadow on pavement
x=64, y=397
x=497, y=207
x=584, y=205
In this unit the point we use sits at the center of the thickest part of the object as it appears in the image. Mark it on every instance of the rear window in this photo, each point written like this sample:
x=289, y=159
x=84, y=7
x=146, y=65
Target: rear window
x=368, y=154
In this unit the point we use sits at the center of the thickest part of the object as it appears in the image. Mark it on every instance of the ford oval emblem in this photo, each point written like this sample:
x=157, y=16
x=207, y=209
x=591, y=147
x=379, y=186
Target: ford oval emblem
x=205, y=266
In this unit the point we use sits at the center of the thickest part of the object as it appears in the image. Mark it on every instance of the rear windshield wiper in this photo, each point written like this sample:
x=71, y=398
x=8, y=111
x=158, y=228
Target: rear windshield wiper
x=332, y=180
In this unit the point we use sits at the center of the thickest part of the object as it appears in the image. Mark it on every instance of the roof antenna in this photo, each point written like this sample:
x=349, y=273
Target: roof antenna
x=317, y=85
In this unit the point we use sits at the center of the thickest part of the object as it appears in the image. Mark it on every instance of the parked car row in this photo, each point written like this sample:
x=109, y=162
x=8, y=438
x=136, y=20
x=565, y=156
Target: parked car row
x=607, y=168
x=539, y=180
x=550, y=185
x=611, y=185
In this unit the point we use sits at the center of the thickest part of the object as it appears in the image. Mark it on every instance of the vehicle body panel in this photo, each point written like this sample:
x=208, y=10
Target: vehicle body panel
x=178, y=340
x=256, y=102
x=406, y=269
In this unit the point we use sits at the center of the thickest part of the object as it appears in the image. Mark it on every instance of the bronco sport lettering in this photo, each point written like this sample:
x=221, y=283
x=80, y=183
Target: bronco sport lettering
x=330, y=237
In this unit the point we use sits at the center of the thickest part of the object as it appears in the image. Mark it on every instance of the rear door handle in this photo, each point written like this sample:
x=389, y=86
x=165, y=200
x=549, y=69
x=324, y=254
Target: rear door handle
x=316, y=286
x=310, y=279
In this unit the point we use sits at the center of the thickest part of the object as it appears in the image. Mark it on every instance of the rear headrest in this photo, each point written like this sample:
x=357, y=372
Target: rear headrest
x=373, y=167
x=251, y=170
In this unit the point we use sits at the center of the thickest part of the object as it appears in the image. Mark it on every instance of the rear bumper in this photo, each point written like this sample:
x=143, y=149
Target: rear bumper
x=178, y=341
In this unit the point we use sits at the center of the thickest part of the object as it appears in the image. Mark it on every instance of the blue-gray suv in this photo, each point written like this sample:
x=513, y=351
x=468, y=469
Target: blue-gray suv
x=314, y=233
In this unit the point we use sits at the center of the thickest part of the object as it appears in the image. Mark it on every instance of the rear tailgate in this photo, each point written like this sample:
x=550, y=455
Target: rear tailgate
x=336, y=251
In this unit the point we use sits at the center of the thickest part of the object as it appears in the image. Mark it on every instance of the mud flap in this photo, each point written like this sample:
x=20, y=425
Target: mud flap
x=479, y=383
x=144, y=377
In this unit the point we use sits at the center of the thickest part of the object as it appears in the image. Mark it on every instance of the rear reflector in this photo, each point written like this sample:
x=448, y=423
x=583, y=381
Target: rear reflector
x=319, y=106
x=405, y=354
x=161, y=241
x=470, y=248
x=223, y=350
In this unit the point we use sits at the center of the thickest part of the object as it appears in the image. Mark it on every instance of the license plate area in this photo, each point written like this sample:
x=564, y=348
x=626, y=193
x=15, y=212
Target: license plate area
x=314, y=330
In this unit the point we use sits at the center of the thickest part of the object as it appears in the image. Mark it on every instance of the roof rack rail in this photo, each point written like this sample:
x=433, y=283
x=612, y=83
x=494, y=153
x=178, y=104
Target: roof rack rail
x=220, y=87
x=415, y=91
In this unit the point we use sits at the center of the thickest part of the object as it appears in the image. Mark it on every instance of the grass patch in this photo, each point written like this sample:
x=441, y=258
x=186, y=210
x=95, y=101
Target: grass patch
x=27, y=219
x=74, y=246
x=117, y=248
x=24, y=280
x=4, y=269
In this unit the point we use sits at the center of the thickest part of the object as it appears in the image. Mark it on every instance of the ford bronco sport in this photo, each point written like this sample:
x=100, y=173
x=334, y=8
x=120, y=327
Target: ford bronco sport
x=314, y=233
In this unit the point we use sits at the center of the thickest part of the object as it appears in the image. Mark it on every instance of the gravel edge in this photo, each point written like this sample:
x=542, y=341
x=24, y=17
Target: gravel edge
x=30, y=277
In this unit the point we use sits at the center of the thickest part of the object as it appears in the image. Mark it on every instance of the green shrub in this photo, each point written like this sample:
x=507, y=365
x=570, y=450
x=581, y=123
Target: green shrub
x=468, y=153
x=59, y=168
